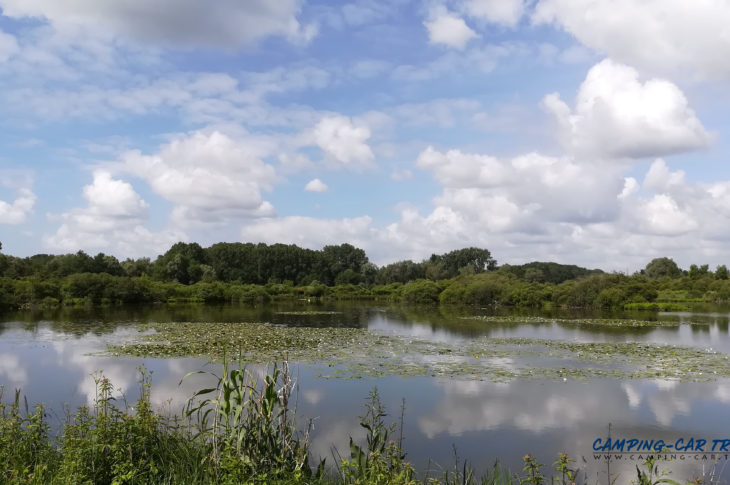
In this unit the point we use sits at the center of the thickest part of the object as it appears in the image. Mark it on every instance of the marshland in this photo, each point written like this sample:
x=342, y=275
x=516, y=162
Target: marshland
x=459, y=387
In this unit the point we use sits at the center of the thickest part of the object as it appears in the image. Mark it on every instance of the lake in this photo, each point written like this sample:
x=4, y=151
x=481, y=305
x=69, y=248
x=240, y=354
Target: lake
x=494, y=384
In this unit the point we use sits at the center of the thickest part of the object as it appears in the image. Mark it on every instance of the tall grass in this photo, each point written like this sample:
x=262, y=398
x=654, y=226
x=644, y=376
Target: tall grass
x=249, y=430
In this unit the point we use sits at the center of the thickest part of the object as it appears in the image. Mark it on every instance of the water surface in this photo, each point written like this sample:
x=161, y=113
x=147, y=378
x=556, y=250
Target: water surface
x=51, y=357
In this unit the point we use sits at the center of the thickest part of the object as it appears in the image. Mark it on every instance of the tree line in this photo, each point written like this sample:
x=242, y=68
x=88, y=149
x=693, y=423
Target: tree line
x=70, y=277
x=247, y=263
x=245, y=272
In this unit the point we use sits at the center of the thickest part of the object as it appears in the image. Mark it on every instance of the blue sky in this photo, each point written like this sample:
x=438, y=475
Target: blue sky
x=581, y=131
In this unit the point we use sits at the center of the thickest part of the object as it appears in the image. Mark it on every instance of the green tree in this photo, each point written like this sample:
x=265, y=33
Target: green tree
x=721, y=272
x=698, y=271
x=534, y=275
x=450, y=263
x=661, y=267
x=336, y=259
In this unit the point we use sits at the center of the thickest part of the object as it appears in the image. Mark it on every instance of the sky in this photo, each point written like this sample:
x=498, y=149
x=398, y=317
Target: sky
x=588, y=132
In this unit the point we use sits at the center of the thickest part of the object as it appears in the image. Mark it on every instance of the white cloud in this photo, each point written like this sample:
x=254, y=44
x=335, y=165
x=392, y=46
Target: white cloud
x=536, y=184
x=457, y=169
x=448, y=29
x=616, y=115
x=533, y=205
x=580, y=213
x=209, y=176
x=8, y=46
x=343, y=141
x=671, y=36
x=662, y=215
x=208, y=98
x=113, y=198
x=310, y=232
x=316, y=185
x=505, y=12
x=113, y=220
x=224, y=23
x=631, y=186
x=660, y=179
x=17, y=211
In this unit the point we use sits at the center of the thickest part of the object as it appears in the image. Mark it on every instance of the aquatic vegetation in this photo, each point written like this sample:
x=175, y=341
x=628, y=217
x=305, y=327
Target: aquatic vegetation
x=309, y=312
x=359, y=353
x=601, y=322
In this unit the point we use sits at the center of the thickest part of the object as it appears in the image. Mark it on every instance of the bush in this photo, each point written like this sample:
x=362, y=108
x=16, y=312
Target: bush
x=421, y=291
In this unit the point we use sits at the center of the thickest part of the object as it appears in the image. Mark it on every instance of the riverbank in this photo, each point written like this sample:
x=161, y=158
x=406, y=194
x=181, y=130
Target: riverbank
x=494, y=288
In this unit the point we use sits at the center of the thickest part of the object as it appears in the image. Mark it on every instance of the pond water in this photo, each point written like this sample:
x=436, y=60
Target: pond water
x=51, y=357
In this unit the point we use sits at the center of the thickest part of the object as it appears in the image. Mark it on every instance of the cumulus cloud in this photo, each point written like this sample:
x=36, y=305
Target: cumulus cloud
x=343, y=141
x=531, y=184
x=457, y=169
x=209, y=176
x=17, y=211
x=310, y=232
x=225, y=23
x=505, y=12
x=565, y=210
x=659, y=35
x=316, y=185
x=113, y=220
x=616, y=115
x=662, y=215
x=560, y=208
x=489, y=202
x=448, y=29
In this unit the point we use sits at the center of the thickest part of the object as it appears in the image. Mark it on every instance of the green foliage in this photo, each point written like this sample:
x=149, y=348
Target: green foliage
x=542, y=272
x=421, y=292
x=250, y=431
x=721, y=272
x=400, y=272
x=108, y=445
x=562, y=466
x=349, y=292
x=25, y=447
x=382, y=462
x=661, y=268
x=255, y=273
x=652, y=475
x=531, y=468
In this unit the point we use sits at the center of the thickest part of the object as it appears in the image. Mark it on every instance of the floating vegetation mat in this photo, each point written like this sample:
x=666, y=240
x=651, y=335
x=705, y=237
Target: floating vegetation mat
x=358, y=353
x=309, y=312
x=600, y=322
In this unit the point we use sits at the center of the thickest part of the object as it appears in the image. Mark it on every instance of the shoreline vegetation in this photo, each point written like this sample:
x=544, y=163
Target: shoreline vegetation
x=243, y=430
x=254, y=273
